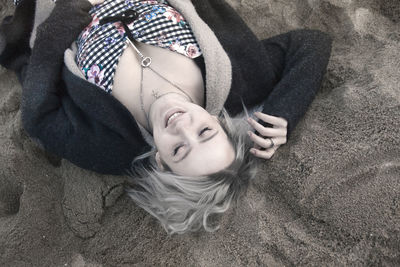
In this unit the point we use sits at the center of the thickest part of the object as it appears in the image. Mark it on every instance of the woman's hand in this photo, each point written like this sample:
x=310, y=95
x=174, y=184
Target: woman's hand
x=96, y=2
x=271, y=138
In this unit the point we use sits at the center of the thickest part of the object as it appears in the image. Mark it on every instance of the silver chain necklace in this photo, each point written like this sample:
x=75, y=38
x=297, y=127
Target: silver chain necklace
x=145, y=63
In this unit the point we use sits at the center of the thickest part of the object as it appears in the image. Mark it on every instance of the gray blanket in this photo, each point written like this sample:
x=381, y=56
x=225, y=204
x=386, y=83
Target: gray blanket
x=331, y=196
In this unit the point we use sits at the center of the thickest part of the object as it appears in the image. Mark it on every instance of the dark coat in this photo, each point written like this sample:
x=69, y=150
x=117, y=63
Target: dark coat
x=82, y=123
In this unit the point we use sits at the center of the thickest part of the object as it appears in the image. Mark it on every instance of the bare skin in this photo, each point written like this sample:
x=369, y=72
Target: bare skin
x=177, y=68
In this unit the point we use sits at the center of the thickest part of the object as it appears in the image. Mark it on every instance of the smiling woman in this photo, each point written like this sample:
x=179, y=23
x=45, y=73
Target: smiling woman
x=184, y=202
x=191, y=142
x=154, y=82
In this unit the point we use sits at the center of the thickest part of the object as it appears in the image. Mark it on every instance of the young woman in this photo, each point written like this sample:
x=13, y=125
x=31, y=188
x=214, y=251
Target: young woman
x=162, y=76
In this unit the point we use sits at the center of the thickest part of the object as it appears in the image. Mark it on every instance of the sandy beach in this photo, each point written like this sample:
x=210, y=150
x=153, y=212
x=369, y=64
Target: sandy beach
x=329, y=197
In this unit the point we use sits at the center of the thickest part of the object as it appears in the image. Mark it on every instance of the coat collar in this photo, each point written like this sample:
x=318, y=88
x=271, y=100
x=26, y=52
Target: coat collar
x=218, y=64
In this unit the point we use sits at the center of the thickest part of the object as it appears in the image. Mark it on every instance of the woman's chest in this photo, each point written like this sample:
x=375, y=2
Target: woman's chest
x=131, y=82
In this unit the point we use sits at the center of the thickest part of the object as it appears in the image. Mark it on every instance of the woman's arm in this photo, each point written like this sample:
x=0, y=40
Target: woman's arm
x=300, y=59
x=51, y=116
x=41, y=100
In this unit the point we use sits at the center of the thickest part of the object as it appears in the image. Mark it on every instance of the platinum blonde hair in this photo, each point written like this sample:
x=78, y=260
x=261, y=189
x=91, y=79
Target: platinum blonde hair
x=184, y=203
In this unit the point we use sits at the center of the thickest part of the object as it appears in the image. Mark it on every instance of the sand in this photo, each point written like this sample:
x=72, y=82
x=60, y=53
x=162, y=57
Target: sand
x=331, y=196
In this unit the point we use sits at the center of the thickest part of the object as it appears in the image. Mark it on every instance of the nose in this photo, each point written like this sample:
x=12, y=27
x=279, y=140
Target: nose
x=182, y=124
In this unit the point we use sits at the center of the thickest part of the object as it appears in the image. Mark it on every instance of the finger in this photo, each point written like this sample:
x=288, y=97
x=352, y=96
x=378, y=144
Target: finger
x=267, y=131
x=264, y=154
x=260, y=141
x=266, y=142
x=277, y=121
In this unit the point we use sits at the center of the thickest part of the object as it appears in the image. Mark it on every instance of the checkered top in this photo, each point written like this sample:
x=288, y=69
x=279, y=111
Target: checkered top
x=101, y=45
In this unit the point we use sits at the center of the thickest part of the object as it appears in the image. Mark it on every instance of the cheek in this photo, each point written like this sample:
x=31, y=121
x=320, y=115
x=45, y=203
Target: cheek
x=162, y=143
x=157, y=139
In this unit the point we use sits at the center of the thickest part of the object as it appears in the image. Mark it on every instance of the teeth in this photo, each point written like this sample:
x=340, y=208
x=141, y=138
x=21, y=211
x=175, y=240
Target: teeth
x=173, y=116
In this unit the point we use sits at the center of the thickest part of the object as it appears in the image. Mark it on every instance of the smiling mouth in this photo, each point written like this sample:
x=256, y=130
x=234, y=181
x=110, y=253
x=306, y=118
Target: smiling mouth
x=172, y=116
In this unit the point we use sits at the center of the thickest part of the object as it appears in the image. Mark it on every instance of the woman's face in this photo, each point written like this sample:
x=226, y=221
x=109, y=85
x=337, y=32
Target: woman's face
x=188, y=139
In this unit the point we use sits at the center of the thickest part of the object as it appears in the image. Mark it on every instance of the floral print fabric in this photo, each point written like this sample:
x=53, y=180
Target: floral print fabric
x=159, y=24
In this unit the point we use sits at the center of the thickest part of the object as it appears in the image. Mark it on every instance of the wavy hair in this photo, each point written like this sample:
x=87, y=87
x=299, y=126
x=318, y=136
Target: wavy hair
x=185, y=203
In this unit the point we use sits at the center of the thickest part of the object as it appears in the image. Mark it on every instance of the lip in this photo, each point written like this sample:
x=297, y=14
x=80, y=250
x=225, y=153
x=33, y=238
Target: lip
x=169, y=113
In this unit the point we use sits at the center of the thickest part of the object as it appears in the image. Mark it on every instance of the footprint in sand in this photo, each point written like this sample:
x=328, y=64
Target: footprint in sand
x=10, y=194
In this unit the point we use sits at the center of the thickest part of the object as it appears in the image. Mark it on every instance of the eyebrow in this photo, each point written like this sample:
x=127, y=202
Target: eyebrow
x=201, y=141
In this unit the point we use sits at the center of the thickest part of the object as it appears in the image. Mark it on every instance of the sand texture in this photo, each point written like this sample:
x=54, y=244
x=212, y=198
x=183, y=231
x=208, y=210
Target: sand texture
x=330, y=197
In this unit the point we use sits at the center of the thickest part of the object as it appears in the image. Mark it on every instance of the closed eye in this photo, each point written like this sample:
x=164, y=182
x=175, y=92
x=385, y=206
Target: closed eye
x=205, y=129
x=206, y=139
x=176, y=149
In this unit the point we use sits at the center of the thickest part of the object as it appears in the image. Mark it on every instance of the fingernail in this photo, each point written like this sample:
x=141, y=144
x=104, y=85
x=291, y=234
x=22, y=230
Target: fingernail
x=249, y=133
x=252, y=151
x=249, y=119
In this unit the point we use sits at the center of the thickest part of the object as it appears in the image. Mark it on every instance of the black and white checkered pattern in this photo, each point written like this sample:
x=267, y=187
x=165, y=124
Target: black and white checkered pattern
x=100, y=46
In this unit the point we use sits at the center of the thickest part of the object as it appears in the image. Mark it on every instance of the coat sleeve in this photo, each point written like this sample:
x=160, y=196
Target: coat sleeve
x=41, y=88
x=299, y=58
x=50, y=115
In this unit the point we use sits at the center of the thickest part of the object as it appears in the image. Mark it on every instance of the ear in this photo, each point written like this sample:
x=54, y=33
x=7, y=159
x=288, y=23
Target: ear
x=158, y=160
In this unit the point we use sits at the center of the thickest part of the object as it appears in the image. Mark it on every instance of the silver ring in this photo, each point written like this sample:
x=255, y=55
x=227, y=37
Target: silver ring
x=272, y=143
